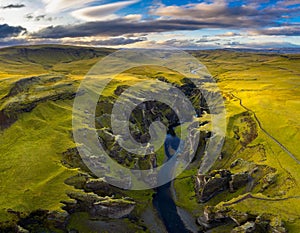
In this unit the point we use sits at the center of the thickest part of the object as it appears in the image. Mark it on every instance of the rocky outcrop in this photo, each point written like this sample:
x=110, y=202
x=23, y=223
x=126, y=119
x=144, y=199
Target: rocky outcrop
x=238, y=180
x=72, y=159
x=248, y=227
x=120, y=89
x=245, y=222
x=148, y=162
x=122, y=181
x=245, y=129
x=207, y=186
x=98, y=206
x=94, y=185
x=212, y=218
x=37, y=221
x=261, y=224
x=89, y=184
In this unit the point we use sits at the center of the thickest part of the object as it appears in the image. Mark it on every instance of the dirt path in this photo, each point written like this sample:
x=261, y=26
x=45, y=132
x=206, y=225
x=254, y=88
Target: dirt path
x=259, y=198
x=266, y=132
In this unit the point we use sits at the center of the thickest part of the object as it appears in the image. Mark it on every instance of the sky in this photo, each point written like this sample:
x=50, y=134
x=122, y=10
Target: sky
x=186, y=24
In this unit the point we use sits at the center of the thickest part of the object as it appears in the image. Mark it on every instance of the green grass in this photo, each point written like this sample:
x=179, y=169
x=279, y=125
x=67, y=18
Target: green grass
x=31, y=174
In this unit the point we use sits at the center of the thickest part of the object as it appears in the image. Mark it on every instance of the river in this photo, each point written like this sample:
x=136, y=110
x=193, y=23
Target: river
x=166, y=207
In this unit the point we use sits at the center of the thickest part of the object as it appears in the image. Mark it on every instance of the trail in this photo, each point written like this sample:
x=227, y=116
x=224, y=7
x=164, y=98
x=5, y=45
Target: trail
x=259, y=198
x=265, y=131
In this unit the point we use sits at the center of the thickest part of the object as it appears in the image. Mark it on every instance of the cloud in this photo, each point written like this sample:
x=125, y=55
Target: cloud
x=13, y=6
x=133, y=17
x=220, y=11
x=229, y=34
x=8, y=42
x=117, y=41
x=117, y=27
x=121, y=26
x=217, y=14
x=101, y=12
x=38, y=17
x=241, y=21
x=289, y=2
x=206, y=40
x=279, y=31
x=187, y=44
x=261, y=45
x=55, y=6
x=11, y=31
x=234, y=44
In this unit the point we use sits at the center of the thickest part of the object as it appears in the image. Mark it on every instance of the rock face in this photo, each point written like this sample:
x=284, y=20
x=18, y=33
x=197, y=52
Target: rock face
x=207, y=186
x=93, y=185
x=238, y=180
x=38, y=221
x=148, y=162
x=111, y=209
x=260, y=225
x=245, y=222
x=212, y=218
x=248, y=227
x=124, y=181
x=98, y=206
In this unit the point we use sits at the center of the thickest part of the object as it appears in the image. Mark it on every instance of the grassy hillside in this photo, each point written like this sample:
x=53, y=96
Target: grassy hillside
x=37, y=88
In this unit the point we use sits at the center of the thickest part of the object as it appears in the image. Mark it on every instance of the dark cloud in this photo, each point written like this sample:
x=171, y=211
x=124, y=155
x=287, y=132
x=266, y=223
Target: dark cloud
x=120, y=27
x=114, y=41
x=289, y=3
x=234, y=43
x=221, y=11
x=119, y=41
x=11, y=31
x=186, y=44
x=29, y=16
x=38, y=18
x=261, y=45
x=13, y=6
x=5, y=42
x=206, y=40
x=280, y=31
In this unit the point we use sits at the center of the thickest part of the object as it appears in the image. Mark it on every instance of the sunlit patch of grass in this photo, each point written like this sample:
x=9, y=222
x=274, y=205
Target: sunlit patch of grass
x=32, y=176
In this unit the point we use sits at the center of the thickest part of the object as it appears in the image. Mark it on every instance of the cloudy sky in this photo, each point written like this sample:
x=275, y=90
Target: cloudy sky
x=188, y=24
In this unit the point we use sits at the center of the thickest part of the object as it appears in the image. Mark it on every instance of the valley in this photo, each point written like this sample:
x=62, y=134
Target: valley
x=46, y=187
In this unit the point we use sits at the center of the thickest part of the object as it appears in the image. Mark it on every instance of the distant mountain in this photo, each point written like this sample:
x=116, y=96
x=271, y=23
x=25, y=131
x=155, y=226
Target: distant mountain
x=295, y=50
